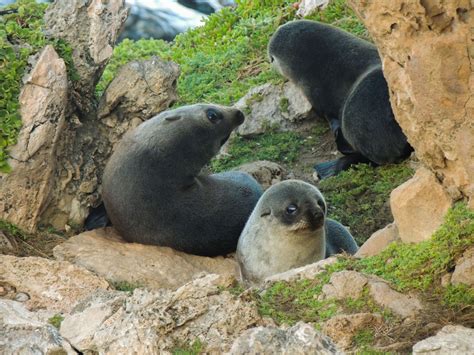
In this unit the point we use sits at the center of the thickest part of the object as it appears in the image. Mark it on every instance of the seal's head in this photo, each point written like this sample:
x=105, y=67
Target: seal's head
x=295, y=205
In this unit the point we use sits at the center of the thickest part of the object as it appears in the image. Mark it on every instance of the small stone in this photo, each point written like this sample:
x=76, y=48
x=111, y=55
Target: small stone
x=378, y=241
x=345, y=284
x=452, y=340
x=464, y=270
x=22, y=297
x=265, y=172
x=307, y=272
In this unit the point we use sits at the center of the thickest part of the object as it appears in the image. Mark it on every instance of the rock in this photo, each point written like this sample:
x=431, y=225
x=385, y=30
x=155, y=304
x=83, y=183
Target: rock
x=302, y=338
x=452, y=340
x=103, y=252
x=307, y=272
x=309, y=7
x=91, y=28
x=342, y=328
x=273, y=107
x=378, y=241
x=419, y=206
x=43, y=99
x=155, y=321
x=21, y=333
x=345, y=284
x=47, y=284
x=431, y=84
x=140, y=90
x=464, y=270
x=402, y=305
x=5, y=243
x=267, y=173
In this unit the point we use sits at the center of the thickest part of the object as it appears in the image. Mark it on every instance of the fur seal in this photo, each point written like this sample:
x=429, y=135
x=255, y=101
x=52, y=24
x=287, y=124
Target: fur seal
x=154, y=191
x=341, y=75
x=287, y=229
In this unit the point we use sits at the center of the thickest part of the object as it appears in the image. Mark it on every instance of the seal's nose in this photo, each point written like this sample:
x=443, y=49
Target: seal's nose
x=240, y=118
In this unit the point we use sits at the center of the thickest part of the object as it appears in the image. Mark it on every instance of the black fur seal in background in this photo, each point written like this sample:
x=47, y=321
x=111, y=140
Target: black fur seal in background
x=341, y=75
x=154, y=192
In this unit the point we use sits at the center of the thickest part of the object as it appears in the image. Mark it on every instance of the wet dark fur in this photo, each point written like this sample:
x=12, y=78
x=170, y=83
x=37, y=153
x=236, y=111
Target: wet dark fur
x=341, y=75
x=154, y=192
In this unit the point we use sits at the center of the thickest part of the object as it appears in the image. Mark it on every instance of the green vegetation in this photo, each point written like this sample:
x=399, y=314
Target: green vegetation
x=12, y=230
x=124, y=286
x=193, y=349
x=56, y=320
x=20, y=37
x=273, y=146
x=420, y=266
x=358, y=197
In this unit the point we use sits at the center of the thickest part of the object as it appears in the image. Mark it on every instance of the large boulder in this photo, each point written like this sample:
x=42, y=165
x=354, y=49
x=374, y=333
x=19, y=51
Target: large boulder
x=452, y=339
x=426, y=49
x=22, y=333
x=158, y=321
x=105, y=253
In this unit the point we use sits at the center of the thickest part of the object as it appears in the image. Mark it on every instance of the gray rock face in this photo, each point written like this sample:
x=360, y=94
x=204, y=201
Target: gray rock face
x=22, y=333
x=302, y=338
x=273, y=107
x=308, y=7
x=152, y=322
x=103, y=252
x=452, y=340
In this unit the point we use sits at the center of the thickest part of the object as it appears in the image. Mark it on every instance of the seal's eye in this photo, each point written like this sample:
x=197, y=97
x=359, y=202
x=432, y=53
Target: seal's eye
x=213, y=115
x=291, y=209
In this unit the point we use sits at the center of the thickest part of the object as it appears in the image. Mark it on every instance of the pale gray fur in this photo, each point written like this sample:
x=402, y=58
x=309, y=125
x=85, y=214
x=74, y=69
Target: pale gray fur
x=269, y=244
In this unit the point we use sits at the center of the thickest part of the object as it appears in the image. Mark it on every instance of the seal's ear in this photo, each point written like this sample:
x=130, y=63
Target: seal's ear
x=173, y=118
x=266, y=212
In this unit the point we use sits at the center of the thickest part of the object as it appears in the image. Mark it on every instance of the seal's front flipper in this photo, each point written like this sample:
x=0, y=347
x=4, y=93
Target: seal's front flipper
x=334, y=167
x=97, y=218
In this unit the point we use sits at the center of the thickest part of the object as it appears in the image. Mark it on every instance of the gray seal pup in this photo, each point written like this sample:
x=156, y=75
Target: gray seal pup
x=155, y=193
x=287, y=229
x=341, y=75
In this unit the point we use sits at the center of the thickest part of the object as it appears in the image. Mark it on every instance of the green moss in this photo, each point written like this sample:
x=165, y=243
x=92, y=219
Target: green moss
x=363, y=338
x=193, y=349
x=421, y=266
x=12, y=230
x=125, y=286
x=20, y=37
x=56, y=320
x=274, y=146
x=358, y=197
x=456, y=296
x=283, y=104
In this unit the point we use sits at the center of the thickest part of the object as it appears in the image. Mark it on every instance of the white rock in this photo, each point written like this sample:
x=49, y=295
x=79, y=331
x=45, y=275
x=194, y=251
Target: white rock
x=452, y=340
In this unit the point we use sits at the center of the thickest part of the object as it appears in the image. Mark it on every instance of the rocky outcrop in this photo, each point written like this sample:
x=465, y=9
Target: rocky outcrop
x=378, y=241
x=46, y=284
x=304, y=272
x=152, y=322
x=43, y=100
x=300, y=339
x=22, y=333
x=431, y=85
x=138, y=91
x=278, y=107
x=64, y=142
x=452, y=339
x=105, y=253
